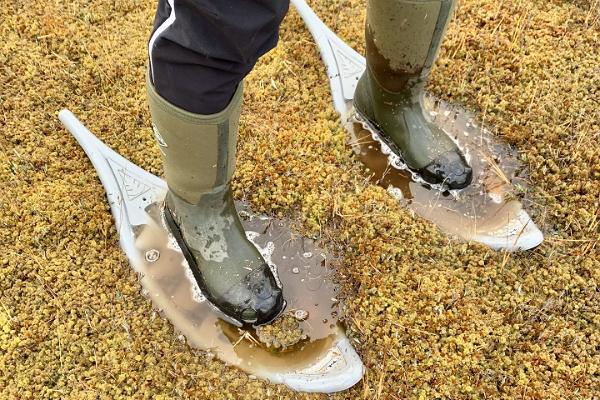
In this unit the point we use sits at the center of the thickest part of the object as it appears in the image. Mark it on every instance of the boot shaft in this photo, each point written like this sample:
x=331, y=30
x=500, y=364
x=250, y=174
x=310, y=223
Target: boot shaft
x=198, y=150
x=403, y=38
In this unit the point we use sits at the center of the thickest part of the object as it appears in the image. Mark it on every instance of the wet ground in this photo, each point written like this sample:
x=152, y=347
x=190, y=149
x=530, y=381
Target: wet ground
x=431, y=317
x=303, y=271
x=499, y=178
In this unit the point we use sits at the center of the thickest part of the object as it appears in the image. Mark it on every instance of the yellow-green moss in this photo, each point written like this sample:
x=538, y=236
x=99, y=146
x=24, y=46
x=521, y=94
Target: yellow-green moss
x=431, y=317
x=283, y=333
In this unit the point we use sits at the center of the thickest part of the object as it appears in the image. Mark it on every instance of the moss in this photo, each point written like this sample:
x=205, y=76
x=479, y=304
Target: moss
x=431, y=318
x=283, y=333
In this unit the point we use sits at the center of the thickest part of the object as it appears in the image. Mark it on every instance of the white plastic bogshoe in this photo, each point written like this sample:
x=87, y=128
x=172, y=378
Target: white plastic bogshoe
x=511, y=230
x=332, y=365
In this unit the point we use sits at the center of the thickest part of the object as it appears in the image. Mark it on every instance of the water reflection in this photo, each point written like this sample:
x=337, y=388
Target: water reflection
x=303, y=270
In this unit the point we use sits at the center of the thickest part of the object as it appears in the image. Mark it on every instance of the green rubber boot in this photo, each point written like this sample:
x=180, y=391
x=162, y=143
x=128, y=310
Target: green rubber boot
x=402, y=40
x=199, y=160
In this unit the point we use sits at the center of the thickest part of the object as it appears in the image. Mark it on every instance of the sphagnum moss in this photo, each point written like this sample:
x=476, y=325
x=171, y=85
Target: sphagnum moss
x=282, y=334
x=431, y=317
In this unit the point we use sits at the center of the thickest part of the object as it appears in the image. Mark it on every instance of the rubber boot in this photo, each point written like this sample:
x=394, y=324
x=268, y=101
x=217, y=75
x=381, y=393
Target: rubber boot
x=402, y=41
x=199, y=160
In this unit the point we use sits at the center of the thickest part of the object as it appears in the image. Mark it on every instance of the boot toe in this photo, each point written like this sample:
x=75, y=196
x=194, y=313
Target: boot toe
x=267, y=297
x=257, y=300
x=270, y=308
x=449, y=168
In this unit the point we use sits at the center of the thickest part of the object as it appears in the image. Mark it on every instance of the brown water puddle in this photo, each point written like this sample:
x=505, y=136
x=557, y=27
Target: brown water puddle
x=483, y=208
x=303, y=269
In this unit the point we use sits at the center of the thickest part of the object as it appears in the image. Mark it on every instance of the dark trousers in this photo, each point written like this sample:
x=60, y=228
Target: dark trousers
x=200, y=50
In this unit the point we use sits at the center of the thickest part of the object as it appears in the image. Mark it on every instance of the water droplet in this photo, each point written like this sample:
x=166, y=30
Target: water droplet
x=152, y=255
x=301, y=315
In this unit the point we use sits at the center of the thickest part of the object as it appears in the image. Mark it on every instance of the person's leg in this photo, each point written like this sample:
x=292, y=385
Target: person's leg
x=199, y=50
x=402, y=41
x=199, y=53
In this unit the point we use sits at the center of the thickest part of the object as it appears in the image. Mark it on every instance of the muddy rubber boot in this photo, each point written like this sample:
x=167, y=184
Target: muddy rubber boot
x=199, y=160
x=402, y=41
